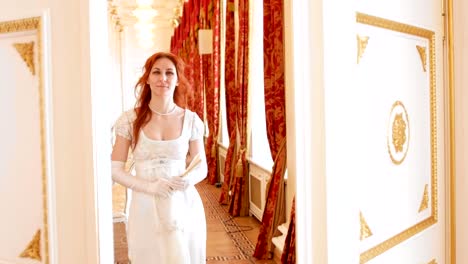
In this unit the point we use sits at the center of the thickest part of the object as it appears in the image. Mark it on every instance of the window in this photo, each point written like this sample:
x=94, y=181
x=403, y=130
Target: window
x=224, y=138
x=259, y=147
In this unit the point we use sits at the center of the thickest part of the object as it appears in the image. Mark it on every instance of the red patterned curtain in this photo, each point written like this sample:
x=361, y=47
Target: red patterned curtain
x=274, y=213
x=239, y=205
x=211, y=62
x=289, y=250
x=196, y=16
x=231, y=98
x=188, y=52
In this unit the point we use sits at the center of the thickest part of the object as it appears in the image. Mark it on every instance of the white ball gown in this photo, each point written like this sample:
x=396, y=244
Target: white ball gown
x=164, y=230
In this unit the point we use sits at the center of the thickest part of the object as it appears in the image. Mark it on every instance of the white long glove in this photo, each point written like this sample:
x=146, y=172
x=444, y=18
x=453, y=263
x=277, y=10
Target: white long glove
x=194, y=176
x=161, y=187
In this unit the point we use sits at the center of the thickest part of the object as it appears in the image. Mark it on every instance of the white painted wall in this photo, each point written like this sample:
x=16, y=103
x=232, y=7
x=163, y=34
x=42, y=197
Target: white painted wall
x=290, y=120
x=116, y=70
x=72, y=126
x=460, y=24
x=322, y=64
x=21, y=154
x=304, y=106
x=339, y=81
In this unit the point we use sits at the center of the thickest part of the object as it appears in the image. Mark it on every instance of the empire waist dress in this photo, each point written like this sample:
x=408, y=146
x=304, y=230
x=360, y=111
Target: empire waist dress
x=164, y=230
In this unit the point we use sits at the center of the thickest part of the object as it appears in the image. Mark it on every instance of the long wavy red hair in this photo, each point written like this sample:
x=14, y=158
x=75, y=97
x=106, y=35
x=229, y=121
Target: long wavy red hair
x=143, y=91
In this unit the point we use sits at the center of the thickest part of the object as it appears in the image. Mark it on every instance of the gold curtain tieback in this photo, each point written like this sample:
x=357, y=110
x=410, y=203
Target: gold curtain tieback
x=240, y=164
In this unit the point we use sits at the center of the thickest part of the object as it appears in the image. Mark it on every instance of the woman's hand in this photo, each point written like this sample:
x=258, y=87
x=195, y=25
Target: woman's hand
x=163, y=187
x=179, y=183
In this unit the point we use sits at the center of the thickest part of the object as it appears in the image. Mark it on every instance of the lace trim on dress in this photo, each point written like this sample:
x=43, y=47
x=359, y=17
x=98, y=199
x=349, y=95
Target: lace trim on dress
x=124, y=125
x=197, y=127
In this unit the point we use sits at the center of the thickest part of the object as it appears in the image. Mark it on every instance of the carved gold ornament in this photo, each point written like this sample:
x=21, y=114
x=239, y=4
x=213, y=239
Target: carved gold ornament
x=422, y=55
x=362, y=44
x=26, y=51
x=398, y=133
x=33, y=249
x=365, y=230
x=432, y=262
x=425, y=200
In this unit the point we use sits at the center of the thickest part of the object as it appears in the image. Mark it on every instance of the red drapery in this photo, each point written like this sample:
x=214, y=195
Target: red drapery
x=274, y=213
x=202, y=70
x=289, y=250
x=185, y=44
x=231, y=98
x=196, y=19
x=212, y=62
x=239, y=204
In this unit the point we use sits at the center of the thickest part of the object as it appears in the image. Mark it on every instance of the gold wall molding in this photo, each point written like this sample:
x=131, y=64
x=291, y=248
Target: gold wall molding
x=33, y=249
x=393, y=25
x=35, y=24
x=432, y=262
x=395, y=240
x=432, y=219
x=26, y=51
x=365, y=230
x=422, y=55
x=362, y=44
x=425, y=200
x=452, y=241
x=19, y=25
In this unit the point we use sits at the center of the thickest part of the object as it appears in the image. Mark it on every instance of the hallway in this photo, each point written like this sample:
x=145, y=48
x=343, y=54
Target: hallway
x=229, y=240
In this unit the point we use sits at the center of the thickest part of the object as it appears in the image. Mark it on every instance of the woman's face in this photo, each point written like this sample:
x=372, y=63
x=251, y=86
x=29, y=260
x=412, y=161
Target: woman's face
x=163, y=78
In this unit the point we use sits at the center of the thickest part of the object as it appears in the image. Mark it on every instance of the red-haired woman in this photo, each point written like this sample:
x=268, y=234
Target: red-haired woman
x=166, y=217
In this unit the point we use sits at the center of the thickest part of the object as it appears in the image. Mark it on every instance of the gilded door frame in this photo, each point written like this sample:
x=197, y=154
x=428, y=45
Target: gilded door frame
x=451, y=108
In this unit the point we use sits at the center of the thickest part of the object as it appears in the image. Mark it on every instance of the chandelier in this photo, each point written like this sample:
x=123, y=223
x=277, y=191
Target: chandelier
x=144, y=27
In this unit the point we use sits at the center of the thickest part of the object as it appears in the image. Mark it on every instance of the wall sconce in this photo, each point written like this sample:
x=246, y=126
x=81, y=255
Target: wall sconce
x=205, y=41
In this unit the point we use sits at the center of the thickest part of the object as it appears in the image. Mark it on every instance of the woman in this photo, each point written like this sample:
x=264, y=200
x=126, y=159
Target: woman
x=166, y=217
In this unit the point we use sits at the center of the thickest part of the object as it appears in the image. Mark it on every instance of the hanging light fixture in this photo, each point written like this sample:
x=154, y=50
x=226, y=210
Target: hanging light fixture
x=144, y=27
x=144, y=2
x=145, y=13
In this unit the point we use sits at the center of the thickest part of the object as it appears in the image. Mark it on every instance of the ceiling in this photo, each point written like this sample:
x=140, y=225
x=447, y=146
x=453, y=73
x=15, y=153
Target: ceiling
x=168, y=12
x=128, y=53
x=167, y=17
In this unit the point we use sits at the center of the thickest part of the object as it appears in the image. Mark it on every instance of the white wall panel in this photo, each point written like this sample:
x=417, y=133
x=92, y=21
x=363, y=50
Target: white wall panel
x=72, y=221
x=24, y=158
x=460, y=44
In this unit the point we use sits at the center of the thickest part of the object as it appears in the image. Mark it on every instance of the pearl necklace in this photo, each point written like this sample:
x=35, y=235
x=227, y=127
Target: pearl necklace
x=163, y=114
